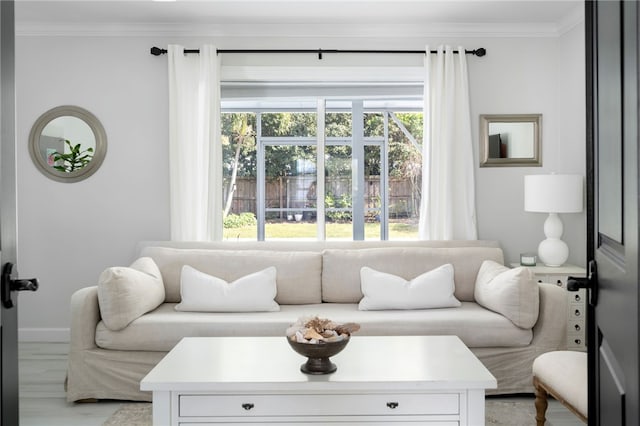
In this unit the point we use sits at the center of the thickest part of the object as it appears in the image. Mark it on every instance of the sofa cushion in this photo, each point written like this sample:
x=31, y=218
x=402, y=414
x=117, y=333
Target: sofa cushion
x=298, y=273
x=202, y=292
x=341, y=267
x=512, y=292
x=163, y=328
x=433, y=289
x=125, y=293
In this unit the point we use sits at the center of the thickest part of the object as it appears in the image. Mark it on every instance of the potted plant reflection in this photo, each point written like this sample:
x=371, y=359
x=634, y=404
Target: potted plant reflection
x=73, y=160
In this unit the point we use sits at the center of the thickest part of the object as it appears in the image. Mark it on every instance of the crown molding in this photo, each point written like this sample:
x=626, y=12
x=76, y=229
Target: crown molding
x=570, y=21
x=261, y=31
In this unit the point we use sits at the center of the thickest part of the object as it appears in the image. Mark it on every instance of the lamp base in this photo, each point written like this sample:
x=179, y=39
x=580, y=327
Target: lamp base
x=553, y=252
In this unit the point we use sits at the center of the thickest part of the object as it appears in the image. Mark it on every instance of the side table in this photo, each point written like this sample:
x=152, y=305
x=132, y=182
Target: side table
x=576, y=321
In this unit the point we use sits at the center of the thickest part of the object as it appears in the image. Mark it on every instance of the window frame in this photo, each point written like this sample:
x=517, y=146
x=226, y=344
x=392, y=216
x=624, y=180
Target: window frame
x=357, y=141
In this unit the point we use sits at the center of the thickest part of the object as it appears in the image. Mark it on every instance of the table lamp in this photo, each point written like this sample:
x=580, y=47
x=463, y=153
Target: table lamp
x=553, y=194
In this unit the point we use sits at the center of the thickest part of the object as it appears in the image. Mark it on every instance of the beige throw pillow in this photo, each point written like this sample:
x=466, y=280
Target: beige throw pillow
x=510, y=292
x=126, y=293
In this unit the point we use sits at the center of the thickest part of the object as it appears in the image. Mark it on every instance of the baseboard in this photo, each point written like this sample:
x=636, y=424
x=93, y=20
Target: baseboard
x=44, y=334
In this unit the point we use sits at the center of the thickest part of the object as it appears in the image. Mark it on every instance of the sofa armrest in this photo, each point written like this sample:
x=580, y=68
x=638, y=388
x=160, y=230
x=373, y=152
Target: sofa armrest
x=550, y=331
x=85, y=315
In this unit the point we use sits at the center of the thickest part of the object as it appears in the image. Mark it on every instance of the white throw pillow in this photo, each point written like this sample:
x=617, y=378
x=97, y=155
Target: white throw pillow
x=510, y=292
x=126, y=293
x=433, y=289
x=201, y=292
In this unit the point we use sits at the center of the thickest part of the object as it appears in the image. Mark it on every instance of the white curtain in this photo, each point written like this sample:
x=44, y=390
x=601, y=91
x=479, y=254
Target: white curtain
x=447, y=209
x=195, y=150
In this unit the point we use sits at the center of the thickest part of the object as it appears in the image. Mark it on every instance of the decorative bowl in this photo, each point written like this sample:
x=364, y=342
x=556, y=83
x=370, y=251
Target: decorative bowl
x=318, y=355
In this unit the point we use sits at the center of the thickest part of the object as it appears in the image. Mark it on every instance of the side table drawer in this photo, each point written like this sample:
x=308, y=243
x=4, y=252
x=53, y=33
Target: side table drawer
x=578, y=297
x=550, y=279
x=575, y=342
x=314, y=405
x=576, y=312
x=576, y=327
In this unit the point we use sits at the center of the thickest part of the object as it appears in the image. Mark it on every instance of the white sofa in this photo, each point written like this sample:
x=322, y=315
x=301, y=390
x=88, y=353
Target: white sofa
x=313, y=278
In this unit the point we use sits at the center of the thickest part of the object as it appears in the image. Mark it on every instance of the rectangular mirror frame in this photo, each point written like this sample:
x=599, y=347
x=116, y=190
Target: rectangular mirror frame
x=486, y=119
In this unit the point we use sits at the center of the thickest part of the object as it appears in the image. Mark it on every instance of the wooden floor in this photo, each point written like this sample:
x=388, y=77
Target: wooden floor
x=43, y=403
x=42, y=397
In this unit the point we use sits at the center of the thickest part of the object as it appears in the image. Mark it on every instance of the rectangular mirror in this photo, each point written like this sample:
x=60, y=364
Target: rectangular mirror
x=510, y=140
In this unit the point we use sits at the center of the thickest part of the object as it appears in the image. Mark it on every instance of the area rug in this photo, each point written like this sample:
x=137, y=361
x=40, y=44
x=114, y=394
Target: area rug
x=498, y=413
x=134, y=414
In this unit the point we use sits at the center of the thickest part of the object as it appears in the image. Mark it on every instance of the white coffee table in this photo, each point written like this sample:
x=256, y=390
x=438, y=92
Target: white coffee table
x=433, y=380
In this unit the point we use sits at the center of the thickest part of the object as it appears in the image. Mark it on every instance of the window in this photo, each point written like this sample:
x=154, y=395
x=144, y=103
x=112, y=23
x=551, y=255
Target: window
x=362, y=155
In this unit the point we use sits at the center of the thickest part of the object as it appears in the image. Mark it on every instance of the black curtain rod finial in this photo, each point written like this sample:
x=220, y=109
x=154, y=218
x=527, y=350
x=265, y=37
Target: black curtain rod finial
x=156, y=51
x=480, y=52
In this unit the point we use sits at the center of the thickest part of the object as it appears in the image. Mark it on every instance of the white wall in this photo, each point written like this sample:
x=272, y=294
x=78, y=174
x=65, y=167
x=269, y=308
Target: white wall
x=68, y=233
x=570, y=149
x=532, y=76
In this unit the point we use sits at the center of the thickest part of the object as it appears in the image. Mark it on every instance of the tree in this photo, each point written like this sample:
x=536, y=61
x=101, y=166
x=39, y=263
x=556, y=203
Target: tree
x=405, y=160
x=281, y=160
x=242, y=134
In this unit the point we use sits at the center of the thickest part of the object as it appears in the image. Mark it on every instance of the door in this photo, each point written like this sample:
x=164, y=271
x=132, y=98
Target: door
x=613, y=194
x=8, y=317
x=8, y=234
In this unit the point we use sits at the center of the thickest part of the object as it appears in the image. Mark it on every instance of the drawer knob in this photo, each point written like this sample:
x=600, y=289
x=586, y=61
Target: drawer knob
x=577, y=326
x=577, y=313
x=247, y=406
x=392, y=405
x=578, y=341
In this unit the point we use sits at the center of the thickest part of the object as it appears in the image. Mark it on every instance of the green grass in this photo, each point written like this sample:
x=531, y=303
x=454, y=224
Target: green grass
x=307, y=230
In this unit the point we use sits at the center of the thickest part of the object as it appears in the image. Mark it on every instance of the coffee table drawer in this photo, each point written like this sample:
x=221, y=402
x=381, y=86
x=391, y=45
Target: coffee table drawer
x=314, y=405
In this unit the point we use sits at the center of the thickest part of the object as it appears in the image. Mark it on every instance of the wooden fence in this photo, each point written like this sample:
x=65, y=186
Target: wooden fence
x=293, y=193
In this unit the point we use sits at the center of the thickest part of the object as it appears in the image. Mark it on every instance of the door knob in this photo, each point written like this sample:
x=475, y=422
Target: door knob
x=576, y=283
x=591, y=282
x=9, y=284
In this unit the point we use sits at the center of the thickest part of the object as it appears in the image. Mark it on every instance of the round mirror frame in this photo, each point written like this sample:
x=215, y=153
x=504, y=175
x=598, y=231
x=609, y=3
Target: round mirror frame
x=100, y=150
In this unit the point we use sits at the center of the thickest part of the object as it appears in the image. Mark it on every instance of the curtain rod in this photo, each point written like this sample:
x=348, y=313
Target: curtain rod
x=156, y=51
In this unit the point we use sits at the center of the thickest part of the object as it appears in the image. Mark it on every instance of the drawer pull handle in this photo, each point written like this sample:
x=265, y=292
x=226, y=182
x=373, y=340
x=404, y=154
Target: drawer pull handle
x=247, y=406
x=392, y=405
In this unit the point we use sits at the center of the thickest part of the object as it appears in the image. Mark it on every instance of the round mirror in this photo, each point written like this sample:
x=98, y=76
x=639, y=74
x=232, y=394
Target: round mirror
x=67, y=143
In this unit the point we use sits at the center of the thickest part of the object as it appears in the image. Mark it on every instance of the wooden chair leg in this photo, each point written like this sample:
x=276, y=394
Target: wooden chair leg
x=540, y=403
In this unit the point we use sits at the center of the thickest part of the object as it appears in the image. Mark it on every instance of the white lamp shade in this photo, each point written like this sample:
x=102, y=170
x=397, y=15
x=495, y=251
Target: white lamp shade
x=553, y=193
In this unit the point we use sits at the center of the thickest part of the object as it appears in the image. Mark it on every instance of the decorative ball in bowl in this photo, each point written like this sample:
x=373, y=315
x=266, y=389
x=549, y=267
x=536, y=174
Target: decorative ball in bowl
x=319, y=339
